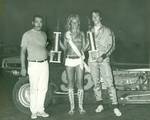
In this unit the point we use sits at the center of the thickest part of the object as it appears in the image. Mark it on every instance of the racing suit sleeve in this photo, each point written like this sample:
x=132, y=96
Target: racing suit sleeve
x=110, y=46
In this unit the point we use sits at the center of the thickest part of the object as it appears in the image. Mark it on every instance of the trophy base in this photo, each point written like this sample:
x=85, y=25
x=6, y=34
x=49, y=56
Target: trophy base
x=93, y=55
x=55, y=57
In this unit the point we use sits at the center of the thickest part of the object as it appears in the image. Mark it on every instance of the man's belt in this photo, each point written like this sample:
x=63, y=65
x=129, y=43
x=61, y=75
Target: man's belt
x=72, y=57
x=38, y=60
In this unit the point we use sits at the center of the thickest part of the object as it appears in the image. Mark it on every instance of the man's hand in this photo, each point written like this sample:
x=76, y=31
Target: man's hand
x=23, y=72
x=100, y=59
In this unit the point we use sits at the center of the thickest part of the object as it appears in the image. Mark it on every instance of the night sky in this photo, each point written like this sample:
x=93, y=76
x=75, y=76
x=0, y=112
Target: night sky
x=127, y=18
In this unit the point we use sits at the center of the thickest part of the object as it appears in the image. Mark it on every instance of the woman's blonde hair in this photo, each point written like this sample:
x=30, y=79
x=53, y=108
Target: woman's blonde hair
x=69, y=20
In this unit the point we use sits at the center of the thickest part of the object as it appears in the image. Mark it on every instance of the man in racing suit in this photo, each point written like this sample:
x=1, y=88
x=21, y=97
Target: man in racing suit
x=105, y=44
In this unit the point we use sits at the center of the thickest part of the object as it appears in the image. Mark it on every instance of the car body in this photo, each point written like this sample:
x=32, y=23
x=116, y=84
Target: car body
x=133, y=85
x=12, y=65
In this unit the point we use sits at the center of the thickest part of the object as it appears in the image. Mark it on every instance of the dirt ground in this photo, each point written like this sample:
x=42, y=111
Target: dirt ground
x=59, y=111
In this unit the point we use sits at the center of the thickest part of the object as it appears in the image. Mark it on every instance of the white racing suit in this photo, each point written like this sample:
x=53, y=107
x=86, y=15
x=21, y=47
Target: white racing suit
x=105, y=44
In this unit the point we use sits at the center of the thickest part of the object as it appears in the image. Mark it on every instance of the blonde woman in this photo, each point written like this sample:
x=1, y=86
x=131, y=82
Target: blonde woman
x=74, y=46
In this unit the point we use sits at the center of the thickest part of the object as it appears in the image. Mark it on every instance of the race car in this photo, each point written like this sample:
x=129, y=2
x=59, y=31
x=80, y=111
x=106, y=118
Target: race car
x=132, y=84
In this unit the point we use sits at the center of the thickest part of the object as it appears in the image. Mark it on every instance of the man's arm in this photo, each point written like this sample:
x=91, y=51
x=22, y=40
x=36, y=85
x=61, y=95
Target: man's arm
x=23, y=61
x=110, y=45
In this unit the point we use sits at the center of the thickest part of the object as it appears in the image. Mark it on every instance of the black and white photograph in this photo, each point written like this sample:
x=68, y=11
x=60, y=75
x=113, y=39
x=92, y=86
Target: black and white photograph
x=74, y=59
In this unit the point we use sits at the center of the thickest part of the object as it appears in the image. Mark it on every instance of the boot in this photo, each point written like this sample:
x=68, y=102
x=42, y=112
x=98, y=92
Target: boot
x=71, y=100
x=80, y=101
x=100, y=107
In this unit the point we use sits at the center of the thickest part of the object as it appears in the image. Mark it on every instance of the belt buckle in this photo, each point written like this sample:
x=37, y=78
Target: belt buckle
x=42, y=60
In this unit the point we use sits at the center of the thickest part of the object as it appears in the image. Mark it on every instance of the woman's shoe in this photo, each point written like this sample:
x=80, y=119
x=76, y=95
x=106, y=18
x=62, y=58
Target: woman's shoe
x=71, y=112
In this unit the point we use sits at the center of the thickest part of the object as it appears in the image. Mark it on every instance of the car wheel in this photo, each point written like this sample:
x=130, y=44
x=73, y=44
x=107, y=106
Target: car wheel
x=21, y=95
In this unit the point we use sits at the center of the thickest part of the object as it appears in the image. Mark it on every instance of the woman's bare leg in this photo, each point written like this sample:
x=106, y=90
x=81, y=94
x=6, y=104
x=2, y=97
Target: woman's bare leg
x=71, y=77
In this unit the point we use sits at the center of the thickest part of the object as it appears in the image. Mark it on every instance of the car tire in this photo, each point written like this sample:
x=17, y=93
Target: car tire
x=21, y=92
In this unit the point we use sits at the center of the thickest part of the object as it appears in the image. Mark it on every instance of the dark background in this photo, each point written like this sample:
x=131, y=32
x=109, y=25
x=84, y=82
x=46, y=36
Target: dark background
x=129, y=19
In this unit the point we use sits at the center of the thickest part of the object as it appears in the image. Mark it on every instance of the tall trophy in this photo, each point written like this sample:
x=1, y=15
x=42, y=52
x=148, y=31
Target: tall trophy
x=55, y=55
x=93, y=53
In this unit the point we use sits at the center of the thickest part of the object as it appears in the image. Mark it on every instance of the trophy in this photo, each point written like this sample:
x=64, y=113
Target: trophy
x=93, y=53
x=55, y=55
